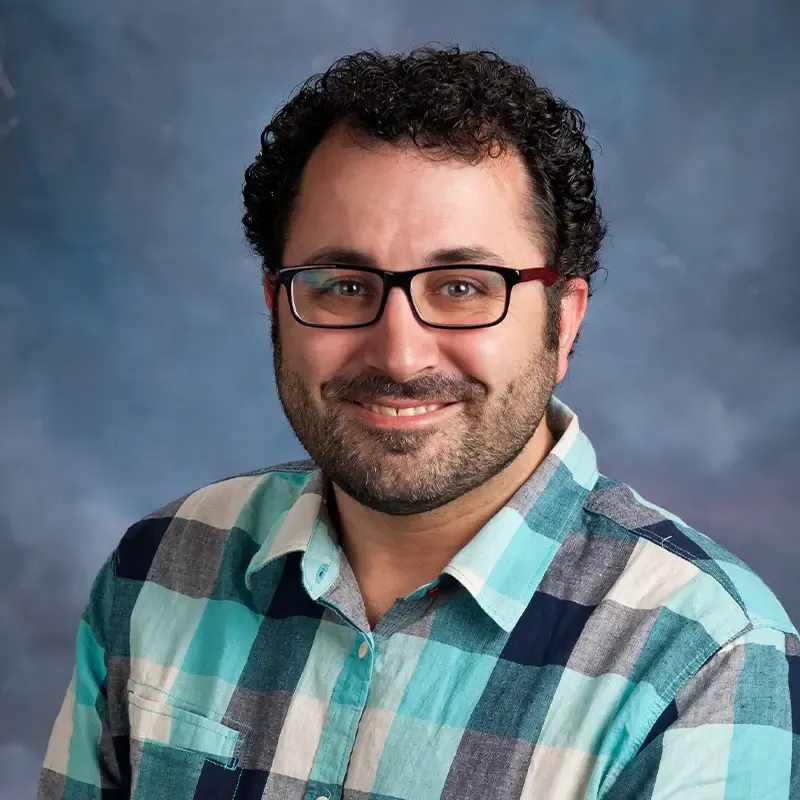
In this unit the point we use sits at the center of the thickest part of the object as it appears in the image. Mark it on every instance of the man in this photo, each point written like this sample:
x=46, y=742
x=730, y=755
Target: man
x=448, y=600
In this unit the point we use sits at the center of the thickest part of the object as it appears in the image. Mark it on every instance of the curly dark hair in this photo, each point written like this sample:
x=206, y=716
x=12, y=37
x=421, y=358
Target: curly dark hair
x=449, y=103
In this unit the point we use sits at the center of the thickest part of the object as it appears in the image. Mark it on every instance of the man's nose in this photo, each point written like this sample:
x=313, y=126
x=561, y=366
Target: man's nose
x=398, y=344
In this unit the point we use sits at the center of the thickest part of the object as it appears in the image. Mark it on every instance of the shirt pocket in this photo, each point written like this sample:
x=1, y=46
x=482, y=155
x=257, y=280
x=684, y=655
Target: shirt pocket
x=175, y=752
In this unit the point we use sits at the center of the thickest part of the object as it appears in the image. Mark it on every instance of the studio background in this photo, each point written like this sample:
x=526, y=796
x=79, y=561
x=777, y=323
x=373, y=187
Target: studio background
x=135, y=362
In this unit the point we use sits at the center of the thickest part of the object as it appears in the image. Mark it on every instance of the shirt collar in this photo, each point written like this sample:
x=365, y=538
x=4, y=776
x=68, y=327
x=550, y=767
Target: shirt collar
x=503, y=564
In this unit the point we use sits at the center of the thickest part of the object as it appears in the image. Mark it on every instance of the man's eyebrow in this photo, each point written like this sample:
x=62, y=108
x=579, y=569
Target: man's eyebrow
x=341, y=255
x=468, y=254
x=474, y=254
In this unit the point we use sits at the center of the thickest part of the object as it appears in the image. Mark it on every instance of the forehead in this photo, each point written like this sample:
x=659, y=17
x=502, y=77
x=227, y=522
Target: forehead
x=398, y=202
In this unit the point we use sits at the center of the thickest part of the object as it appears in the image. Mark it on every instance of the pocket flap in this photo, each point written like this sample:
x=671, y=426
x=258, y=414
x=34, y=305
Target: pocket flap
x=160, y=722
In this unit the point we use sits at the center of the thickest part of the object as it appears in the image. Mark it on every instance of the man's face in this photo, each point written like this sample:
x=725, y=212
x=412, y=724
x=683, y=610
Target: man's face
x=398, y=206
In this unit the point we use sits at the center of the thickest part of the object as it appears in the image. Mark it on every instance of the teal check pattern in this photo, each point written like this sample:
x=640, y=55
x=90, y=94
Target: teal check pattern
x=585, y=644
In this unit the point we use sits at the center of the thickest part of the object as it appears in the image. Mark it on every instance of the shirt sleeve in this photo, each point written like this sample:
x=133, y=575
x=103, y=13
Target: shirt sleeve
x=81, y=759
x=732, y=732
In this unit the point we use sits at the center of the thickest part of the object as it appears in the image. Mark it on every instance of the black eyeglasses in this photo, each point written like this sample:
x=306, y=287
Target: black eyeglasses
x=460, y=296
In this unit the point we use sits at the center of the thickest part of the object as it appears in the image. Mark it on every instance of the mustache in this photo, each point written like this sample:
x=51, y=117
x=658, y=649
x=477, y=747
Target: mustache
x=426, y=388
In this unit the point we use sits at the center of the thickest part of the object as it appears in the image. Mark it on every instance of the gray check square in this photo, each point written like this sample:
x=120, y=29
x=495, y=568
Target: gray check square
x=598, y=560
x=261, y=715
x=612, y=639
x=189, y=558
x=709, y=698
x=495, y=763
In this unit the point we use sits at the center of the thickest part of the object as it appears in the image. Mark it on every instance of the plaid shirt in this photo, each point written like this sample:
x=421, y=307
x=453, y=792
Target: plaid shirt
x=585, y=644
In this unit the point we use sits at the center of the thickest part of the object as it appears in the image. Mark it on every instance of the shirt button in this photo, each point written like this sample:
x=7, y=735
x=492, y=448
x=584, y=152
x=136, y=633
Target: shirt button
x=363, y=650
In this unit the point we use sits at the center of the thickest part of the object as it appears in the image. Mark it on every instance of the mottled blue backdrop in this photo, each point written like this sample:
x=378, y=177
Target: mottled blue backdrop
x=135, y=361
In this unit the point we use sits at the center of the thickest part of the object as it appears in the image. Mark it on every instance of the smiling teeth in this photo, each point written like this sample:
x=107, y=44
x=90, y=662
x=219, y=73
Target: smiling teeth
x=402, y=412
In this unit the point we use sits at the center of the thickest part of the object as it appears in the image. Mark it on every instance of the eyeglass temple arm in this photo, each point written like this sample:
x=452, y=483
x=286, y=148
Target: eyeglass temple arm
x=544, y=274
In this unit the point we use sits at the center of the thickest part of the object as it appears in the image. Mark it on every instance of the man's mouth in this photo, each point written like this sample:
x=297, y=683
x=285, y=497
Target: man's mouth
x=406, y=411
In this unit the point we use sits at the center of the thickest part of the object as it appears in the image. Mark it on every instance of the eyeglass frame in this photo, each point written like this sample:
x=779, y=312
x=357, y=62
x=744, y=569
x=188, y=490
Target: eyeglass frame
x=402, y=280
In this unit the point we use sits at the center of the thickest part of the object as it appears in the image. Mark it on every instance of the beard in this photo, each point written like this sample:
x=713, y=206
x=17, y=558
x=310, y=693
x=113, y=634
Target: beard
x=410, y=472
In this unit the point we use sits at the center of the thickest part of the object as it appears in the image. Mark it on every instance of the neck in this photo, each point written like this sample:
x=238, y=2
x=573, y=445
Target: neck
x=393, y=556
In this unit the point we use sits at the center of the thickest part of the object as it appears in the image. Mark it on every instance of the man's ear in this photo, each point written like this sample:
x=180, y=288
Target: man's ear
x=269, y=282
x=573, y=309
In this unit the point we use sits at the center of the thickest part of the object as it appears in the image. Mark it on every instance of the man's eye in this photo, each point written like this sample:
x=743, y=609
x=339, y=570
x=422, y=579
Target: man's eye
x=347, y=287
x=459, y=289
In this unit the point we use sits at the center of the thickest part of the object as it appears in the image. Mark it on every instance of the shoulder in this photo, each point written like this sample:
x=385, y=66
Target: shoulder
x=672, y=565
x=198, y=524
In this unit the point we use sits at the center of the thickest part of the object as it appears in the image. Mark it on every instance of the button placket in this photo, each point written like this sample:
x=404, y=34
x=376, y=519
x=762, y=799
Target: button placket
x=344, y=715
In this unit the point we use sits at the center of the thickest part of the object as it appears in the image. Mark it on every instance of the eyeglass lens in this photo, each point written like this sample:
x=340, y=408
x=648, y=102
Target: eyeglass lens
x=457, y=296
